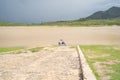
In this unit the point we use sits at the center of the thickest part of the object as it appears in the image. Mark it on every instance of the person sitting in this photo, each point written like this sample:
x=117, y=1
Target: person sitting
x=61, y=43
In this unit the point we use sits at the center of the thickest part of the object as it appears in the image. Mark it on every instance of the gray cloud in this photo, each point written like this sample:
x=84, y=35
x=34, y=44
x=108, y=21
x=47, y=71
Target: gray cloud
x=36, y=11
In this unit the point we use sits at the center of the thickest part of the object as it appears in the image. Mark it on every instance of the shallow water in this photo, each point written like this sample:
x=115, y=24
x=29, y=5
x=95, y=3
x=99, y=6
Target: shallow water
x=44, y=36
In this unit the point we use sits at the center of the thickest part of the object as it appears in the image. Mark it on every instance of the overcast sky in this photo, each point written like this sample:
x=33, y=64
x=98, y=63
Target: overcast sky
x=37, y=11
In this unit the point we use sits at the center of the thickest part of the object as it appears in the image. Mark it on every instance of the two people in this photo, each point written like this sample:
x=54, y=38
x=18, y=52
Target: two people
x=61, y=43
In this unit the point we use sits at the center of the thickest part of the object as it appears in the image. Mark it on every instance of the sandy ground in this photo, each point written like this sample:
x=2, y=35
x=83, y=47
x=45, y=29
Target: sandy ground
x=44, y=36
x=52, y=63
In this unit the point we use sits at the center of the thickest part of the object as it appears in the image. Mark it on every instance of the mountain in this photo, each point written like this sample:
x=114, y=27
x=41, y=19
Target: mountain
x=113, y=12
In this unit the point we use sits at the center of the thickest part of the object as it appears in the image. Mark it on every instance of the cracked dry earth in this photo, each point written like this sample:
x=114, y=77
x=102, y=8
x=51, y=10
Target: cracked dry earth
x=51, y=63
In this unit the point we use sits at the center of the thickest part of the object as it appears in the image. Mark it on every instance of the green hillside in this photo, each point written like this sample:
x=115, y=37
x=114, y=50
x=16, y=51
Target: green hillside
x=111, y=13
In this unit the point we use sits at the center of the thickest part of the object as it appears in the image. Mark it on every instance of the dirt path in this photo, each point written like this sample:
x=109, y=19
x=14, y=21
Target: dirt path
x=52, y=63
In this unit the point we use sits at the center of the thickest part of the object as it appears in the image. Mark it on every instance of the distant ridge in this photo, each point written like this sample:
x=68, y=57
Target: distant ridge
x=113, y=12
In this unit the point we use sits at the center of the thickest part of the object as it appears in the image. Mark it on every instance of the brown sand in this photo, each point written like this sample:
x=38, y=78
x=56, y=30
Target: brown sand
x=44, y=36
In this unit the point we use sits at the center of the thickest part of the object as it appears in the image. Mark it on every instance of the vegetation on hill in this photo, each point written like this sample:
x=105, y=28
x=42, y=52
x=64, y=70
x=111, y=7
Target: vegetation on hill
x=85, y=22
x=101, y=18
x=111, y=13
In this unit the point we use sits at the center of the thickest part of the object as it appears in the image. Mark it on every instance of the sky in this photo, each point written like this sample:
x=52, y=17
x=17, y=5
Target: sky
x=39, y=11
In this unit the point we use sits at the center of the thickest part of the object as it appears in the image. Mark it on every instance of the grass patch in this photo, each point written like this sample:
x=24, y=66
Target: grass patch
x=12, y=24
x=104, y=61
x=9, y=49
x=72, y=47
x=36, y=49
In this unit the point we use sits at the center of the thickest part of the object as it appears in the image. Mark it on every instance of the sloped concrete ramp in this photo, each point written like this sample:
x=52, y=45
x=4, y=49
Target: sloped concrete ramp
x=51, y=63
